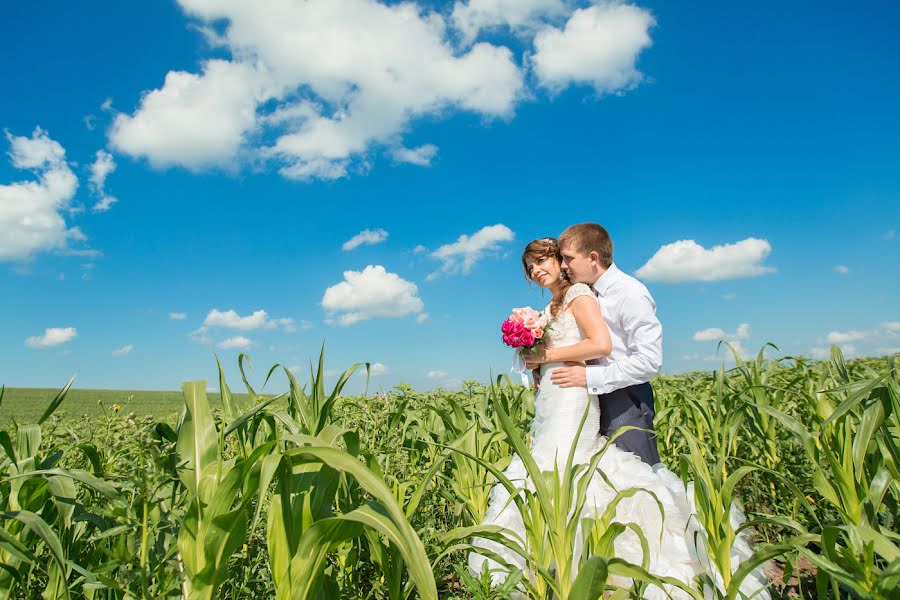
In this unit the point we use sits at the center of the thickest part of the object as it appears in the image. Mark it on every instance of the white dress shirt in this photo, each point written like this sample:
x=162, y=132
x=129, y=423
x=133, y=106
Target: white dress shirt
x=636, y=334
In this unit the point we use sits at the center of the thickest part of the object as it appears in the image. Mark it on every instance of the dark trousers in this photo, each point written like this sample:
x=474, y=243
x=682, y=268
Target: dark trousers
x=632, y=405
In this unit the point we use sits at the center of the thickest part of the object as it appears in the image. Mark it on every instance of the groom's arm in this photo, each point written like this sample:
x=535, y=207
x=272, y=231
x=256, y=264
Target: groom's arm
x=644, y=341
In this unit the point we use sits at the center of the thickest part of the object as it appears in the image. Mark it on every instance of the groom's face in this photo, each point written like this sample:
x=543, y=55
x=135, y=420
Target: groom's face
x=580, y=267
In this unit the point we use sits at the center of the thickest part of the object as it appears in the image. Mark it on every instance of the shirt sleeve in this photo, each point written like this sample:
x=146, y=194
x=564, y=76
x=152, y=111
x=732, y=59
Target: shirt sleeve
x=643, y=358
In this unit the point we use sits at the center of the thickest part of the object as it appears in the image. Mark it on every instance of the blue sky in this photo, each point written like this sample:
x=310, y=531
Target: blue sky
x=744, y=158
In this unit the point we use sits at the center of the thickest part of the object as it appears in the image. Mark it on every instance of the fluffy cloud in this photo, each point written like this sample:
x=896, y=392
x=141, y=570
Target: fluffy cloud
x=195, y=121
x=31, y=219
x=53, y=336
x=372, y=293
x=259, y=319
x=124, y=350
x=103, y=165
x=177, y=316
x=716, y=333
x=376, y=369
x=367, y=237
x=841, y=337
x=421, y=156
x=843, y=270
x=598, y=46
x=436, y=374
x=326, y=79
x=237, y=341
x=461, y=255
x=891, y=325
x=707, y=335
x=520, y=15
x=686, y=260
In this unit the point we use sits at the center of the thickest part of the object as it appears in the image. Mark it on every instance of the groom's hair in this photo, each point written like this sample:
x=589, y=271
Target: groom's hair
x=589, y=237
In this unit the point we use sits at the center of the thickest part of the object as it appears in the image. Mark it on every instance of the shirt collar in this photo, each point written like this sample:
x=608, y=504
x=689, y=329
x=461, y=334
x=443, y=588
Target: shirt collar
x=602, y=284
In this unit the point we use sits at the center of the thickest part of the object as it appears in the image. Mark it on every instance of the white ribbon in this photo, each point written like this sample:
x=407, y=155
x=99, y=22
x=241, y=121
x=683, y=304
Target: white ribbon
x=518, y=367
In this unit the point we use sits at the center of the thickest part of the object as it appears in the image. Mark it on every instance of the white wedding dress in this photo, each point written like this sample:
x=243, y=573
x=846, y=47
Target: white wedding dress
x=558, y=411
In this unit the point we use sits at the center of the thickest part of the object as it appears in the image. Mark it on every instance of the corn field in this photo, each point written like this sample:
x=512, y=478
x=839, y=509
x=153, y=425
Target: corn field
x=314, y=494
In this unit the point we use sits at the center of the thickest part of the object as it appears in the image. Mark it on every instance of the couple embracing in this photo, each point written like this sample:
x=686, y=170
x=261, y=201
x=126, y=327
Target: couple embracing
x=603, y=346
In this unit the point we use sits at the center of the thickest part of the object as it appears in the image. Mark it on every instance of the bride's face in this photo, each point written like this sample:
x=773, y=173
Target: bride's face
x=543, y=271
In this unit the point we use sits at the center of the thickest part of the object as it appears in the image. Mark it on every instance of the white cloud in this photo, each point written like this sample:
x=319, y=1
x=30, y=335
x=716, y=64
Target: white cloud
x=53, y=336
x=707, y=335
x=377, y=369
x=422, y=317
x=124, y=350
x=259, y=319
x=289, y=325
x=103, y=165
x=201, y=335
x=31, y=219
x=522, y=16
x=891, y=325
x=716, y=333
x=328, y=80
x=421, y=156
x=742, y=332
x=461, y=255
x=177, y=316
x=840, y=337
x=436, y=374
x=598, y=46
x=372, y=293
x=367, y=237
x=194, y=121
x=420, y=249
x=237, y=341
x=729, y=296
x=842, y=269
x=686, y=260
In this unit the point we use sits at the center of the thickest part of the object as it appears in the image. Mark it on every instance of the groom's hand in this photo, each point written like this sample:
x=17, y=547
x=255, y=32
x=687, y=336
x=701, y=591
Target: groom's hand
x=574, y=374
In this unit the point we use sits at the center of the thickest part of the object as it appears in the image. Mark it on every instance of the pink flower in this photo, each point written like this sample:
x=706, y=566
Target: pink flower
x=507, y=326
x=527, y=338
x=538, y=333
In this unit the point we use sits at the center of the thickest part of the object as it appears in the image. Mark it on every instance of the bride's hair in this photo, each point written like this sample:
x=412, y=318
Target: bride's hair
x=547, y=248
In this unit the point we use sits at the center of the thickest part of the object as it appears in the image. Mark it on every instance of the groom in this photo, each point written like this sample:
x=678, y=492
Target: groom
x=621, y=379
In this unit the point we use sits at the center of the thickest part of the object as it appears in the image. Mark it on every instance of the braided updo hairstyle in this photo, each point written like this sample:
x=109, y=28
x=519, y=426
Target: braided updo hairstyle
x=538, y=250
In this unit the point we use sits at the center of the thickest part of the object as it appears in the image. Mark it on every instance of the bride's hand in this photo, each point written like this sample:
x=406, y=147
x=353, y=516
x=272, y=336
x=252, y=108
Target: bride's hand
x=536, y=358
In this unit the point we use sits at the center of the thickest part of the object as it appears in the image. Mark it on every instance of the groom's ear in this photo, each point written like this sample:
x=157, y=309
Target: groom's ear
x=594, y=256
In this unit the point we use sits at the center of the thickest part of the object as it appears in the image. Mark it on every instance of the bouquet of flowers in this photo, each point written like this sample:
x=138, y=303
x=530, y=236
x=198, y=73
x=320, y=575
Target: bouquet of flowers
x=524, y=329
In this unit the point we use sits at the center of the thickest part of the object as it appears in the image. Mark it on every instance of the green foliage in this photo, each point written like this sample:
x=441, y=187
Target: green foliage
x=315, y=494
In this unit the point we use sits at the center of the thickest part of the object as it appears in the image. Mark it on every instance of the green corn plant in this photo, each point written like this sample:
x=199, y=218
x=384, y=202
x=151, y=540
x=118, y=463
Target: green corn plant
x=42, y=511
x=715, y=499
x=220, y=492
x=303, y=530
x=468, y=482
x=854, y=461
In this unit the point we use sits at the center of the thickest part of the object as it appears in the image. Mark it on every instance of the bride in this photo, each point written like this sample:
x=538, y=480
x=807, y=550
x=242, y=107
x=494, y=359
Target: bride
x=579, y=333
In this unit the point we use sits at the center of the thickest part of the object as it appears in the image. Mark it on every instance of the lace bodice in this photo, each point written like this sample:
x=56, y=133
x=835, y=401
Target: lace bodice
x=564, y=330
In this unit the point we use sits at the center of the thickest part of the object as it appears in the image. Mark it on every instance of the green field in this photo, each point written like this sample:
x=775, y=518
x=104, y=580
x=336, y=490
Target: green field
x=26, y=405
x=320, y=495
